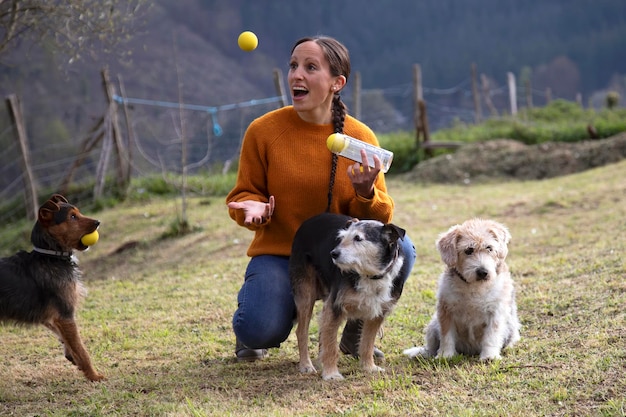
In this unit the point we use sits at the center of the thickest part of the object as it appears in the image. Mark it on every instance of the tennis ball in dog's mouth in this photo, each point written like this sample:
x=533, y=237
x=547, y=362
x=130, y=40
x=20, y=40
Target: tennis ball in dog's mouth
x=90, y=238
x=247, y=41
x=336, y=142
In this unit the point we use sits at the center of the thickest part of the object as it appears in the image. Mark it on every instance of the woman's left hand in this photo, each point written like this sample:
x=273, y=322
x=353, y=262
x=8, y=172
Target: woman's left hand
x=363, y=176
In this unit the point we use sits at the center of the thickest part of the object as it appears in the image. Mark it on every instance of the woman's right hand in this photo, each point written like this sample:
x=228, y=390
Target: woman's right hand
x=255, y=212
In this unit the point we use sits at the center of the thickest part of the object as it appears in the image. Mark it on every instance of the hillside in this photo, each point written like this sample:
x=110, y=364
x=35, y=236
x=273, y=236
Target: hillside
x=505, y=159
x=188, y=49
x=157, y=319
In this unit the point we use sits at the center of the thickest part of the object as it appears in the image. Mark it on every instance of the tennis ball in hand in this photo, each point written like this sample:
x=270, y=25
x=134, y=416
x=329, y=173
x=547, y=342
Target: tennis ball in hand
x=90, y=238
x=336, y=142
x=248, y=41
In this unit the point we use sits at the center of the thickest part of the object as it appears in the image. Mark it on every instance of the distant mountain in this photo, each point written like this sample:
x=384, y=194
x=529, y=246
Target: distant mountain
x=187, y=49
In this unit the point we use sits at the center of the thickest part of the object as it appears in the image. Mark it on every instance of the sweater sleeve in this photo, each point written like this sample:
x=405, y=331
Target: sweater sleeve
x=381, y=205
x=251, y=177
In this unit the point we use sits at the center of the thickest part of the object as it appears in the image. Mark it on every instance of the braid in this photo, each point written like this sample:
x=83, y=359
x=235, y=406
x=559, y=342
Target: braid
x=338, y=111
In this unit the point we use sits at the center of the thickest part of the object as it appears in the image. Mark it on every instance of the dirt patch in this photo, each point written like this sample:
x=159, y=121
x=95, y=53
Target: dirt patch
x=506, y=159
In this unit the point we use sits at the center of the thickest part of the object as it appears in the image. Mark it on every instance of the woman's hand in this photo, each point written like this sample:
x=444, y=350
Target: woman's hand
x=255, y=212
x=363, y=176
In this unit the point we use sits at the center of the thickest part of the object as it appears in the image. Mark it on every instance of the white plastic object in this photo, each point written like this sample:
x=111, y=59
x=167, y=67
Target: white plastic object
x=350, y=148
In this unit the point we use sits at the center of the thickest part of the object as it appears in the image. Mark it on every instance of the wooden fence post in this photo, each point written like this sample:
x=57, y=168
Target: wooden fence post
x=280, y=87
x=529, y=94
x=356, y=96
x=512, y=93
x=95, y=135
x=477, y=109
x=487, y=95
x=130, y=130
x=109, y=90
x=30, y=190
x=548, y=95
x=417, y=98
x=425, y=130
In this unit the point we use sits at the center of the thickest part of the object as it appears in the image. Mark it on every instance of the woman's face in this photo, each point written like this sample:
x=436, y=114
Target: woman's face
x=311, y=83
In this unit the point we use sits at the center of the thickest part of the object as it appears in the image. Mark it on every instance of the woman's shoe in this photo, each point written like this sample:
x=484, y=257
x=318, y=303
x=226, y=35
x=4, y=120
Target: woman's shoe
x=245, y=354
x=351, y=337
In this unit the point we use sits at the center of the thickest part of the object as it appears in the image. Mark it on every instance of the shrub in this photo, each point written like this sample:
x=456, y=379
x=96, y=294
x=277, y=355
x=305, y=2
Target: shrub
x=612, y=99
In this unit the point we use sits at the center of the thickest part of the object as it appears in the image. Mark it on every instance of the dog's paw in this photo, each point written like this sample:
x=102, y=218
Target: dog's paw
x=95, y=377
x=332, y=376
x=373, y=369
x=307, y=368
x=416, y=351
x=490, y=356
x=446, y=354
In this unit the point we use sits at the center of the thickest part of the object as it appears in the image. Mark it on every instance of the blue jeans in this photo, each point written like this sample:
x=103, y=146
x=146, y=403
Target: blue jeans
x=266, y=310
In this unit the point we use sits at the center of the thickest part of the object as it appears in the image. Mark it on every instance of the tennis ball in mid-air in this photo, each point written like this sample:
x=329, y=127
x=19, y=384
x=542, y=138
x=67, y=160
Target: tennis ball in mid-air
x=248, y=41
x=90, y=238
x=336, y=142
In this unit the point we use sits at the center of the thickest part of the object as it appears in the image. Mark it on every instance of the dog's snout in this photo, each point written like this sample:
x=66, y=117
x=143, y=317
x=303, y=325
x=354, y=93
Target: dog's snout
x=481, y=274
x=96, y=223
x=334, y=253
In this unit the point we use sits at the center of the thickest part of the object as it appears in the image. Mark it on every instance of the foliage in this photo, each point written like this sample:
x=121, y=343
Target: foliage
x=559, y=121
x=384, y=43
x=74, y=25
x=207, y=184
x=612, y=99
x=387, y=41
x=403, y=146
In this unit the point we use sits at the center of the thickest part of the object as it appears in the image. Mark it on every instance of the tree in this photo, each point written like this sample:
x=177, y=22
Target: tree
x=561, y=75
x=73, y=25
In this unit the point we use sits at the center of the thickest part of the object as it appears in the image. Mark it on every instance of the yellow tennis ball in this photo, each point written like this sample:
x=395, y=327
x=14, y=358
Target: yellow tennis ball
x=336, y=142
x=248, y=41
x=90, y=238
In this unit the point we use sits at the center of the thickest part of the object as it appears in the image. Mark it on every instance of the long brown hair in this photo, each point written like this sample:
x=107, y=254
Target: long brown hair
x=339, y=61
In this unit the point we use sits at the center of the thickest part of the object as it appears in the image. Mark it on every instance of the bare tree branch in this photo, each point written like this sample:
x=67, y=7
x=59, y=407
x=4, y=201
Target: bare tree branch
x=73, y=25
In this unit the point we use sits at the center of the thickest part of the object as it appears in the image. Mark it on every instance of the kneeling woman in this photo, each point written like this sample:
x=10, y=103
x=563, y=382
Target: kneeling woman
x=287, y=175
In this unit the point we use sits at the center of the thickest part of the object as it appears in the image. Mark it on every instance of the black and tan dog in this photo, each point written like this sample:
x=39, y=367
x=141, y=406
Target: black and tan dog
x=353, y=265
x=43, y=286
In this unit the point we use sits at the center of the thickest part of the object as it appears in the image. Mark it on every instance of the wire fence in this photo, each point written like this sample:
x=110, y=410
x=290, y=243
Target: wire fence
x=213, y=134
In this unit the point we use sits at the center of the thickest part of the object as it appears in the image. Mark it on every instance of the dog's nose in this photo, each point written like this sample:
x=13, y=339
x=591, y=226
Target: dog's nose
x=97, y=223
x=481, y=274
x=334, y=253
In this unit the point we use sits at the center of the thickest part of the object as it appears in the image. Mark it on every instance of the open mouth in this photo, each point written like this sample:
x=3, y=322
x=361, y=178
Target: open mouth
x=299, y=92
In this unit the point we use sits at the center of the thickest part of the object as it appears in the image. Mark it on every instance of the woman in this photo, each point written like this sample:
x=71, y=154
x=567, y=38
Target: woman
x=287, y=175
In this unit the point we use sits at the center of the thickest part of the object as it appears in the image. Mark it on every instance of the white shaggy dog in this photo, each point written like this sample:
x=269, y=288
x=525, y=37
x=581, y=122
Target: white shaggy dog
x=476, y=311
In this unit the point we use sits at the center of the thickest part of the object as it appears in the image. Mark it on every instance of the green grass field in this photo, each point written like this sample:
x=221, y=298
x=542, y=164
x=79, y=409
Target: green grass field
x=157, y=319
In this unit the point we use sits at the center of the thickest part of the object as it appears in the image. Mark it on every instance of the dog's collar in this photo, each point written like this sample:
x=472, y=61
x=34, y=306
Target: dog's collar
x=458, y=274
x=60, y=254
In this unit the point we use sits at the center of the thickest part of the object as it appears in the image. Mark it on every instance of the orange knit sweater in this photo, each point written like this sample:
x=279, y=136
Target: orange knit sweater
x=286, y=157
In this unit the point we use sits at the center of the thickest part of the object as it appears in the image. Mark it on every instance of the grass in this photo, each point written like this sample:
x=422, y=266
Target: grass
x=157, y=319
x=559, y=121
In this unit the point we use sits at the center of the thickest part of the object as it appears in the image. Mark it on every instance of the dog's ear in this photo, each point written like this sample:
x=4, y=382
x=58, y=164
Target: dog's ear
x=393, y=232
x=446, y=245
x=47, y=211
x=58, y=198
x=350, y=222
x=502, y=235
